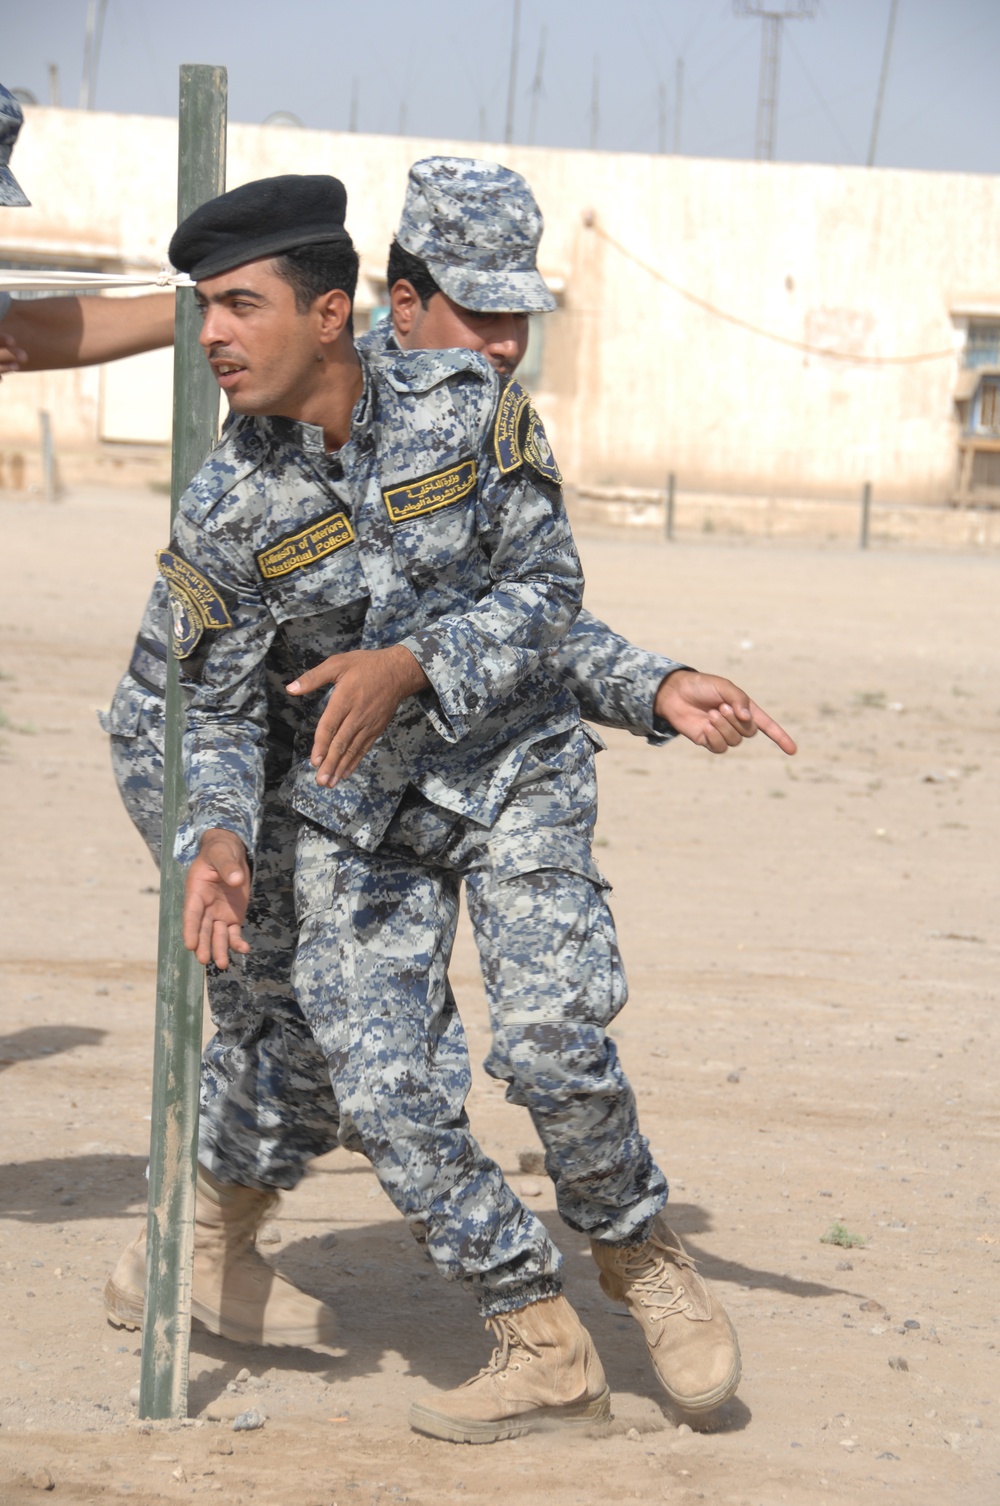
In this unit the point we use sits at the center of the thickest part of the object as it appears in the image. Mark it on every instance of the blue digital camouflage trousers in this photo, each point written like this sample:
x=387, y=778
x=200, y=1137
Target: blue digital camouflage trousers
x=378, y=1018
x=370, y=973
x=267, y=1106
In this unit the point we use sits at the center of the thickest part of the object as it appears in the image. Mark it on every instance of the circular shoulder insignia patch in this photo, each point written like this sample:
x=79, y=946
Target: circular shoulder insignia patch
x=195, y=604
x=518, y=436
x=538, y=451
x=186, y=626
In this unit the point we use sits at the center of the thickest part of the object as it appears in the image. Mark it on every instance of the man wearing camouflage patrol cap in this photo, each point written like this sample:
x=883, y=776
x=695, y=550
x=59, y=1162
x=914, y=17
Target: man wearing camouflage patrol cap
x=476, y=227
x=625, y=682
x=443, y=570
x=312, y=528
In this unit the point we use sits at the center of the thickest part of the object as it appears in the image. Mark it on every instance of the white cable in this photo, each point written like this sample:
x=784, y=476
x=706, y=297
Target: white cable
x=44, y=282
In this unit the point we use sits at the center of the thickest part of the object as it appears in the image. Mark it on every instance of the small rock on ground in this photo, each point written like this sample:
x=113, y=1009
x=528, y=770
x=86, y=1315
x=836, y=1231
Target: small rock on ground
x=249, y=1421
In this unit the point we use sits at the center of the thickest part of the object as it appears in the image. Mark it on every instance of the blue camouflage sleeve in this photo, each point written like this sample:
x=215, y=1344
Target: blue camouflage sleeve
x=475, y=659
x=614, y=681
x=220, y=631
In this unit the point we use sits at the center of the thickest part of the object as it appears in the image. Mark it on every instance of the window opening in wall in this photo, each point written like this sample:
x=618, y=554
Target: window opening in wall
x=982, y=343
x=989, y=406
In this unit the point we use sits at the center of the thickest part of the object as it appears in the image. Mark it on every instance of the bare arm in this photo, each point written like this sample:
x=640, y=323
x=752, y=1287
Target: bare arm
x=57, y=332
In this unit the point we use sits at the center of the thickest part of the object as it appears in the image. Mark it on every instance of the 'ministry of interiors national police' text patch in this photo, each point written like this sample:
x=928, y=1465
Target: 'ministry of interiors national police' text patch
x=299, y=549
x=429, y=493
x=195, y=604
x=518, y=436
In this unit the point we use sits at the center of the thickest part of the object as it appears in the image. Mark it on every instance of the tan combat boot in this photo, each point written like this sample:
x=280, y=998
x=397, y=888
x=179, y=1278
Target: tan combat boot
x=690, y=1339
x=543, y=1372
x=234, y=1292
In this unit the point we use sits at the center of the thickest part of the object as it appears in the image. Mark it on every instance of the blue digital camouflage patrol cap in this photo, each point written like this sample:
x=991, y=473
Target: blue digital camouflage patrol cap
x=11, y=121
x=476, y=227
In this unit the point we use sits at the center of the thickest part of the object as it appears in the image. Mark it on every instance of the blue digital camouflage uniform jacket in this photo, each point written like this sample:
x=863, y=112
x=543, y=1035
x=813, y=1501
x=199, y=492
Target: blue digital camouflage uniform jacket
x=439, y=525
x=614, y=681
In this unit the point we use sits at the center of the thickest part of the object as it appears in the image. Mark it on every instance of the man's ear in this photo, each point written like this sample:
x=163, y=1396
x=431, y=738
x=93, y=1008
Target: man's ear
x=334, y=310
x=405, y=304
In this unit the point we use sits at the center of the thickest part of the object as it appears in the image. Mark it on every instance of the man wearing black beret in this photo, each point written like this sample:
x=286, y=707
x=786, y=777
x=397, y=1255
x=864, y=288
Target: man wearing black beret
x=271, y=375
x=260, y=220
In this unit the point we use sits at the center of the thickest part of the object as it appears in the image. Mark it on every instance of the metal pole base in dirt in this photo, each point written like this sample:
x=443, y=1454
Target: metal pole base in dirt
x=179, y=981
x=50, y=484
x=866, y=516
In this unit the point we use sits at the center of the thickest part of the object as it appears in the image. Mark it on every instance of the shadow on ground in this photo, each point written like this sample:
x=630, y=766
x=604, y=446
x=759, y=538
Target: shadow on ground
x=59, y=1189
x=394, y=1311
x=45, y=1040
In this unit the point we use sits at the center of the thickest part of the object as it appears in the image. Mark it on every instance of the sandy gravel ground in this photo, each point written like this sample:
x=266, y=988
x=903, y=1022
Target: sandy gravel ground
x=812, y=949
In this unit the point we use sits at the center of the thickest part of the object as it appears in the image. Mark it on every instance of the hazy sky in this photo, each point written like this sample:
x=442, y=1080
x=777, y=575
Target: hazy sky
x=441, y=68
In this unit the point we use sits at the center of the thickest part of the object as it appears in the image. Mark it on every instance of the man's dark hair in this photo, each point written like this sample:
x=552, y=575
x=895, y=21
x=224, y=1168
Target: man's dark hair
x=311, y=271
x=404, y=266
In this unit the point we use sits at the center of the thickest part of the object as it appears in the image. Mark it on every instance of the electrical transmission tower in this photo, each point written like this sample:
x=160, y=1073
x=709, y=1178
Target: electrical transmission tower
x=770, y=58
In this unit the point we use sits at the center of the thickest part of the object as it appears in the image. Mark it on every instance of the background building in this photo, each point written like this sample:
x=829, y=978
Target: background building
x=763, y=328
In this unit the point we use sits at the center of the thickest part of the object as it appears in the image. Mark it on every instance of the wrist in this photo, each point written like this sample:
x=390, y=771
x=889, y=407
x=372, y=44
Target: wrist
x=221, y=835
x=410, y=677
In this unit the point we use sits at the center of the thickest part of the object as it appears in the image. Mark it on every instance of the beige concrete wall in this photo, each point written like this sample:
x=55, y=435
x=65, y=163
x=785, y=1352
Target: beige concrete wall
x=636, y=379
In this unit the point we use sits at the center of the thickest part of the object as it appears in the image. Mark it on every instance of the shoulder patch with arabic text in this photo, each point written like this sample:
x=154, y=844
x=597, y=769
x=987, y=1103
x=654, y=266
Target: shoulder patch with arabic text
x=412, y=499
x=519, y=438
x=195, y=604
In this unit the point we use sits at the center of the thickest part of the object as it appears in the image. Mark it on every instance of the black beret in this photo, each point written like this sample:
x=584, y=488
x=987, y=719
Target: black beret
x=257, y=220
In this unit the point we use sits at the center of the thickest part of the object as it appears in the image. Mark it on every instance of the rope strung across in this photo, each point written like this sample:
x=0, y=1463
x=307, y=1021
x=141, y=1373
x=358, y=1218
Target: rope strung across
x=82, y=282
x=767, y=334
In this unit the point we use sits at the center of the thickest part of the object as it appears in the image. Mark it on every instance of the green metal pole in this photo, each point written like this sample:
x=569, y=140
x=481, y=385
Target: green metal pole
x=173, y=1149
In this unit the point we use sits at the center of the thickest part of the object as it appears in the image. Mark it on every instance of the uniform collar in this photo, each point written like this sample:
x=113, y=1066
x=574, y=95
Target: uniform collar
x=309, y=437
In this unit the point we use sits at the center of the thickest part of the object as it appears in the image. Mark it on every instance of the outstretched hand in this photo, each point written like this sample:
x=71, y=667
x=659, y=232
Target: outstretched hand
x=12, y=357
x=216, y=895
x=714, y=713
x=368, y=686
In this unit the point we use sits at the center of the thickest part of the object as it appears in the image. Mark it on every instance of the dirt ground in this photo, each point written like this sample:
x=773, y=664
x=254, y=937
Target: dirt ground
x=812, y=948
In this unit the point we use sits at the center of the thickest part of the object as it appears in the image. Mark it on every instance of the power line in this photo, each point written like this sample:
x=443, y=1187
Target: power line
x=881, y=83
x=961, y=81
x=508, y=134
x=678, y=105
x=536, y=89
x=92, y=52
x=827, y=108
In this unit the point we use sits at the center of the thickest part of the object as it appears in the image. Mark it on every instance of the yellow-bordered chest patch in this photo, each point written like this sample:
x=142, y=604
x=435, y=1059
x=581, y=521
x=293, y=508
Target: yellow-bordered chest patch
x=195, y=604
x=296, y=550
x=412, y=499
x=519, y=438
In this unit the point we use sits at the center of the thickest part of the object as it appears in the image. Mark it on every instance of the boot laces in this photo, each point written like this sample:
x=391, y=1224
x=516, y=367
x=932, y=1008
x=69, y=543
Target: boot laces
x=509, y=1341
x=647, y=1270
